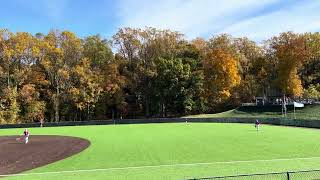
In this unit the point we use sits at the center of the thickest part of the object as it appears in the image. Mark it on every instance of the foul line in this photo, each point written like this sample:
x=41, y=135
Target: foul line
x=158, y=166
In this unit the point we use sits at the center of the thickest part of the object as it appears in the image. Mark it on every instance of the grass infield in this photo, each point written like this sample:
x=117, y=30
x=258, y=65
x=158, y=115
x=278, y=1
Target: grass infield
x=180, y=150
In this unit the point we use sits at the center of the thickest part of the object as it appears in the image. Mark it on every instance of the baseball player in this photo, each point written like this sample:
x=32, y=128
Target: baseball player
x=26, y=136
x=257, y=125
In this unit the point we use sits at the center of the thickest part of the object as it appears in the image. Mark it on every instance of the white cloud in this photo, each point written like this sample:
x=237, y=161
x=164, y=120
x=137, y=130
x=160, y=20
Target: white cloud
x=300, y=18
x=192, y=17
x=208, y=17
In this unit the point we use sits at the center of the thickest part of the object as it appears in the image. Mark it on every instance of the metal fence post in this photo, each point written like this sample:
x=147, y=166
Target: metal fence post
x=288, y=176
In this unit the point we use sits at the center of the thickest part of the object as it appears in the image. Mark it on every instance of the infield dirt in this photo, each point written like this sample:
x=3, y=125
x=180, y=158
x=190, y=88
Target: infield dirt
x=16, y=157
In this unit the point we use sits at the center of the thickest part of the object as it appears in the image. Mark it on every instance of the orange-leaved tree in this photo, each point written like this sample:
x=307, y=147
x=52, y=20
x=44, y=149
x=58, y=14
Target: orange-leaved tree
x=220, y=76
x=290, y=52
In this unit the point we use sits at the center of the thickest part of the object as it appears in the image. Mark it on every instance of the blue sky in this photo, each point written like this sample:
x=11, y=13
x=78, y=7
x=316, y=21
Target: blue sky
x=256, y=19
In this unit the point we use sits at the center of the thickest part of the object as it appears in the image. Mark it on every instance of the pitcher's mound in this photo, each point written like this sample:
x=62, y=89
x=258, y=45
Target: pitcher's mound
x=15, y=156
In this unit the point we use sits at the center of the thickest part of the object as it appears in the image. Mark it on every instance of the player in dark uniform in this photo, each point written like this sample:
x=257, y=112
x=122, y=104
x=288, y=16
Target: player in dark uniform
x=257, y=125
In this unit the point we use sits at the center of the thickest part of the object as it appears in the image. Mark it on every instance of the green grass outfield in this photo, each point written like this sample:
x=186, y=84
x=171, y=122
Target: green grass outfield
x=173, y=151
x=310, y=112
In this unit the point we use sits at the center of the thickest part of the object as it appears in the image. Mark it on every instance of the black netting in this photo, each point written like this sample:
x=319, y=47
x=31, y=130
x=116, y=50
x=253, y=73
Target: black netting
x=299, y=175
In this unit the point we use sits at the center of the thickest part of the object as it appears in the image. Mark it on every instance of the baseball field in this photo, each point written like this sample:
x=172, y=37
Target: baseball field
x=174, y=151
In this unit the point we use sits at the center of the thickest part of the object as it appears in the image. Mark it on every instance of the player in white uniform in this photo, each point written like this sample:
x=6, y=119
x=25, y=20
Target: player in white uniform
x=26, y=136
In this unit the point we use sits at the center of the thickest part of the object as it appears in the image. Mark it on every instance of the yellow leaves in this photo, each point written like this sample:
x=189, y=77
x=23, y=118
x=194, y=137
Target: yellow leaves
x=28, y=93
x=290, y=49
x=312, y=92
x=113, y=81
x=313, y=45
x=7, y=52
x=68, y=35
x=146, y=44
x=33, y=107
x=35, y=111
x=21, y=42
x=80, y=70
x=290, y=82
x=262, y=73
x=83, y=72
x=225, y=93
x=221, y=74
x=57, y=52
x=112, y=88
x=82, y=67
x=294, y=86
x=51, y=49
x=76, y=97
x=22, y=47
x=200, y=44
x=74, y=91
x=87, y=88
x=46, y=63
x=69, y=41
x=37, y=77
x=35, y=50
x=223, y=65
x=63, y=74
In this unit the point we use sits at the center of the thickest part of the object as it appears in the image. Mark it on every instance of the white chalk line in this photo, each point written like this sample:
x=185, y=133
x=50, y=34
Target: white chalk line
x=159, y=166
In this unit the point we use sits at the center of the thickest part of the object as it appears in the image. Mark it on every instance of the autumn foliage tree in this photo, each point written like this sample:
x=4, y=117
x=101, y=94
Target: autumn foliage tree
x=221, y=76
x=61, y=53
x=290, y=52
x=147, y=72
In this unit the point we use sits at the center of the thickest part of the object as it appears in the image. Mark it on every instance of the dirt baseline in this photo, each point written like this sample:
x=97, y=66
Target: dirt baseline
x=15, y=156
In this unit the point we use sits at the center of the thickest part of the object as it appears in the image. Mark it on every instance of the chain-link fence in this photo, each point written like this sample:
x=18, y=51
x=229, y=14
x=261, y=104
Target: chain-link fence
x=294, y=175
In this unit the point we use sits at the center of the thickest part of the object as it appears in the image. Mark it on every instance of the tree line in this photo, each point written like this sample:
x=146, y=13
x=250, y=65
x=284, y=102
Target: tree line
x=147, y=73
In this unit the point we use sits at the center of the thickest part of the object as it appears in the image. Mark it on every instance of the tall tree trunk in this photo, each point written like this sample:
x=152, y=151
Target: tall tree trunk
x=165, y=109
x=8, y=79
x=56, y=105
x=147, y=97
x=88, y=111
x=112, y=109
x=162, y=108
x=147, y=108
x=14, y=108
